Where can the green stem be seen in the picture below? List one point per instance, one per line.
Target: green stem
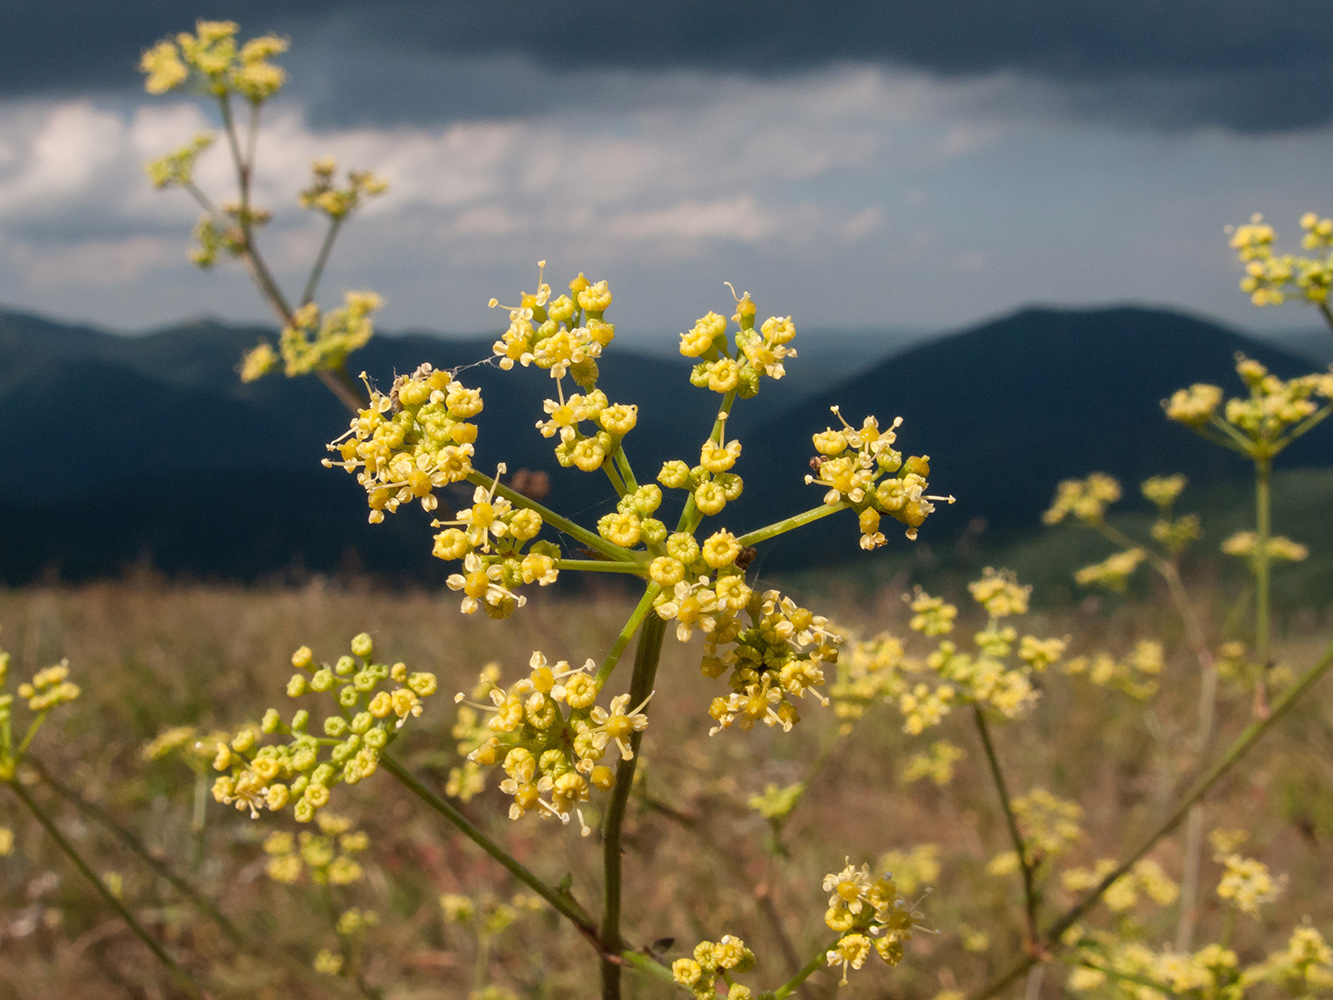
(591, 539)
(626, 471)
(648, 965)
(1263, 528)
(562, 902)
(1011, 823)
(688, 522)
(205, 906)
(601, 566)
(641, 611)
(258, 269)
(810, 968)
(1234, 754)
(1326, 313)
(325, 249)
(181, 978)
(789, 523)
(646, 659)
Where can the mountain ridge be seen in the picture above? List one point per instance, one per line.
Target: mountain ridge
(149, 448)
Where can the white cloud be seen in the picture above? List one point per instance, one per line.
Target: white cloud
(862, 194)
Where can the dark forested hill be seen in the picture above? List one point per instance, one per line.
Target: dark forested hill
(148, 449)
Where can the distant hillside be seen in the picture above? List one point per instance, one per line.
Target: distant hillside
(148, 449)
(1009, 408)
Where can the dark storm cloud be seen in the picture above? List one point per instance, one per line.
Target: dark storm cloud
(1167, 63)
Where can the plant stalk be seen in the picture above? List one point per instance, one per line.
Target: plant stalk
(1011, 823)
(646, 659)
(562, 902)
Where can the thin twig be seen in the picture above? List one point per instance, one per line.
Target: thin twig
(1011, 822)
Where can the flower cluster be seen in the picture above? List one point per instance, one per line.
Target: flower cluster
(211, 55)
(48, 689)
(774, 648)
(869, 914)
(868, 672)
(315, 341)
(550, 737)
(1270, 277)
(323, 195)
(724, 368)
(302, 771)
(1049, 825)
(489, 537)
(1245, 545)
(328, 856)
(564, 336)
(412, 441)
(177, 167)
(860, 467)
(1086, 499)
(711, 484)
(714, 961)
(1135, 675)
(1246, 883)
(1275, 412)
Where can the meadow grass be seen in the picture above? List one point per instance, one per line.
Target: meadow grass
(153, 655)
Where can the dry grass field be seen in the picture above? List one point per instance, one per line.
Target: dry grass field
(150, 656)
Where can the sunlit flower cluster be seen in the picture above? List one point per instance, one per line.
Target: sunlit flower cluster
(1113, 572)
(715, 962)
(936, 764)
(494, 539)
(1121, 965)
(868, 672)
(860, 467)
(329, 857)
(1245, 545)
(177, 167)
(869, 914)
(407, 444)
(723, 367)
(212, 56)
(48, 689)
(374, 701)
(565, 336)
(550, 737)
(773, 649)
(1246, 883)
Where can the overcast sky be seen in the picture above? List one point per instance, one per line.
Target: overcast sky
(919, 165)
